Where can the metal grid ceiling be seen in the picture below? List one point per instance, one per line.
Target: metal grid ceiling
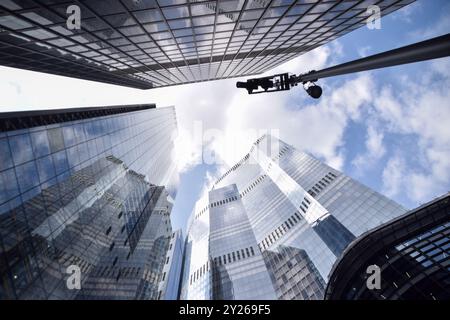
(147, 43)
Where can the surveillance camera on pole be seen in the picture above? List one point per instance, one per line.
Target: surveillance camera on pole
(438, 47)
(279, 82)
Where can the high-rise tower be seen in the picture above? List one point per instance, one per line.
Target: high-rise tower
(273, 225)
(86, 194)
(148, 43)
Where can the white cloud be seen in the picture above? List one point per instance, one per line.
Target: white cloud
(317, 128)
(364, 51)
(375, 150)
(420, 108)
(405, 13)
(394, 176)
(438, 27)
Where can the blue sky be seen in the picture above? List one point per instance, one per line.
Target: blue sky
(386, 128)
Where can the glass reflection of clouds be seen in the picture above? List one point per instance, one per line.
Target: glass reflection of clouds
(63, 184)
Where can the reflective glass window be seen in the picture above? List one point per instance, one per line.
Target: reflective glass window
(27, 176)
(5, 155)
(55, 139)
(21, 148)
(40, 143)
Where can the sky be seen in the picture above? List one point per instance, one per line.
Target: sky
(388, 129)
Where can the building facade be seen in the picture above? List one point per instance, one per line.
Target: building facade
(412, 253)
(86, 196)
(273, 225)
(170, 286)
(147, 43)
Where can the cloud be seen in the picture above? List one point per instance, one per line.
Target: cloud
(440, 25)
(420, 109)
(394, 176)
(405, 13)
(317, 128)
(364, 51)
(375, 150)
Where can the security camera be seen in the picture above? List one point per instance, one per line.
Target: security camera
(314, 91)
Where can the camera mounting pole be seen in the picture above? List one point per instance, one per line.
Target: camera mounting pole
(434, 48)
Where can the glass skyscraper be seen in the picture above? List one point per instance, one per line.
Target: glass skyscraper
(273, 225)
(90, 189)
(169, 289)
(412, 253)
(148, 43)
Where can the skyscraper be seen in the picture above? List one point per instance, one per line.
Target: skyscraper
(148, 43)
(169, 288)
(273, 225)
(412, 253)
(86, 194)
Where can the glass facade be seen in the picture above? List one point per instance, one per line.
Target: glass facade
(90, 188)
(148, 43)
(412, 253)
(273, 225)
(169, 288)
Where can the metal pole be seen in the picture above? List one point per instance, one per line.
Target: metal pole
(429, 49)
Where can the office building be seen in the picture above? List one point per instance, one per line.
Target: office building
(412, 253)
(273, 225)
(147, 43)
(170, 286)
(86, 194)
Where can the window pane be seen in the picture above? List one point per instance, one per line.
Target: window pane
(69, 137)
(5, 155)
(21, 148)
(27, 176)
(40, 143)
(56, 140)
(60, 161)
(8, 185)
(45, 168)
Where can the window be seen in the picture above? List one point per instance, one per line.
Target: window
(56, 140)
(21, 148)
(27, 176)
(40, 143)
